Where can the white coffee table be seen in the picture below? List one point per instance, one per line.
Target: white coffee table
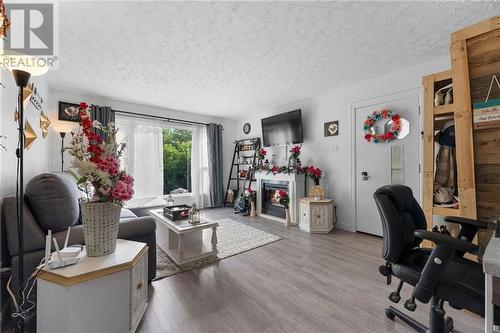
(182, 241)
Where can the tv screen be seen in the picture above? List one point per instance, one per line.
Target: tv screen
(282, 129)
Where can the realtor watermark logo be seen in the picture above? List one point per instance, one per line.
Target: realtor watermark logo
(32, 39)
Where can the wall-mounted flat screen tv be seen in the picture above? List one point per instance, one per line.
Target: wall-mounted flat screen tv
(282, 129)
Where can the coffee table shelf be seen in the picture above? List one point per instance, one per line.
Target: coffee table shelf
(183, 242)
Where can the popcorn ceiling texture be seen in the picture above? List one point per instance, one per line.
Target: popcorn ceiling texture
(230, 59)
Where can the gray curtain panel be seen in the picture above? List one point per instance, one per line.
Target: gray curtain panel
(214, 137)
(103, 114)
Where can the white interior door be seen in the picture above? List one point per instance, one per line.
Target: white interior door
(396, 162)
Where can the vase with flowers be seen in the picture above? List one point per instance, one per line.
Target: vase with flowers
(261, 155)
(284, 201)
(97, 164)
(294, 156)
(314, 173)
(250, 197)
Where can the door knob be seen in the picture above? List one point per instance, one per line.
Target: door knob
(364, 175)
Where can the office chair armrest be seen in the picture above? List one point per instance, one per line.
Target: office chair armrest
(448, 241)
(467, 222)
(435, 267)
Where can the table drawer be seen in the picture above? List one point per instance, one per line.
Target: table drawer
(138, 291)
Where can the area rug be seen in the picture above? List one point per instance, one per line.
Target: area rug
(233, 238)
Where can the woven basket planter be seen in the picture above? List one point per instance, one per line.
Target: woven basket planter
(100, 227)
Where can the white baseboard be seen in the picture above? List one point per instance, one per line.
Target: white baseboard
(345, 225)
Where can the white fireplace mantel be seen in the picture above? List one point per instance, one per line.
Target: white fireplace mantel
(296, 190)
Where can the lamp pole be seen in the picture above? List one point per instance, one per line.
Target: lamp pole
(62, 134)
(21, 78)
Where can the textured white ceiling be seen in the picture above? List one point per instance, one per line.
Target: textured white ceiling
(228, 59)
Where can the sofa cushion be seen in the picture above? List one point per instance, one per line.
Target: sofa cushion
(53, 200)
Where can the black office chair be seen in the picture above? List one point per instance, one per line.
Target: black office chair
(438, 275)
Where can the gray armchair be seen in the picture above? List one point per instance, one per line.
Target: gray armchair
(52, 202)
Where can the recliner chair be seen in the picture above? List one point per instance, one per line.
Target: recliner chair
(439, 274)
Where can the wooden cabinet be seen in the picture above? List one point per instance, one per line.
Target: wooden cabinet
(434, 118)
(475, 55)
(316, 216)
(99, 294)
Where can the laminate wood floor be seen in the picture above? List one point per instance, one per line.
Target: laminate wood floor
(303, 283)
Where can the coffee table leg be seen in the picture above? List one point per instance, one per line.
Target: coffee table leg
(214, 238)
(180, 246)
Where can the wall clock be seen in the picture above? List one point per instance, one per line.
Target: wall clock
(246, 128)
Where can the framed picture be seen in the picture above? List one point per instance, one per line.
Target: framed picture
(332, 128)
(68, 112)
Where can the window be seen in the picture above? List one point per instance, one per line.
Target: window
(177, 143)
(158, 155)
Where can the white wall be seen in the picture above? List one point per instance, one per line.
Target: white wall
(333, 154)
(36, 159)
(59, 95)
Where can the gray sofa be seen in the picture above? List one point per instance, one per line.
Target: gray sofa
(52, 202)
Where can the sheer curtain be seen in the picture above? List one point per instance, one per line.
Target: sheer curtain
(200, 181)
(143, 157)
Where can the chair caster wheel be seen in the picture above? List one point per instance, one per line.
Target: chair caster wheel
(410, 305)
(389, 314)
(394, 297)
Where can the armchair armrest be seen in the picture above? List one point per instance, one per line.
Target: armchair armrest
(467, 222)
(451, 242)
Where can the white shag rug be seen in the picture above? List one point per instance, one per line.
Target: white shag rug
(233, 238)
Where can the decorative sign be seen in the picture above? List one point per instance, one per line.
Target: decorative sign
(69, 112)
(332, 128)
(487, 114)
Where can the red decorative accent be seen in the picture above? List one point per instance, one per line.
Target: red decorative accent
(387, 136)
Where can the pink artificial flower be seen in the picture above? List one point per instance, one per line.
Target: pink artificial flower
(295, 150)
(122, 191)
(126, 178)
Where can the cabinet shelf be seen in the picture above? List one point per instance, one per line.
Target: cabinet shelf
(444, 109)
(445, 211)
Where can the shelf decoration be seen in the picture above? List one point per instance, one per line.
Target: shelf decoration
(370, 135)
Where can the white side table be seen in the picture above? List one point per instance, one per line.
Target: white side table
(316, 216)
(99, 294)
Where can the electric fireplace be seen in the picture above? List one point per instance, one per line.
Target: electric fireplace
(270, 201)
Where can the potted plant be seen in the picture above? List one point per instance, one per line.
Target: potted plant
(250, 196)
(284, 200)
(97, 163)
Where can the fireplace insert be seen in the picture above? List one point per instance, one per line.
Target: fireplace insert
(270, 202)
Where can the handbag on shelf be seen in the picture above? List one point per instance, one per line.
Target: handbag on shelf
(487, 114)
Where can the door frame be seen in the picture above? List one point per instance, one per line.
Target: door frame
(415, 92)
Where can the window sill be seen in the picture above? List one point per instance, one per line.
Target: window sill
(151, 202)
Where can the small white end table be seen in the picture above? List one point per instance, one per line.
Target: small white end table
(99, 294)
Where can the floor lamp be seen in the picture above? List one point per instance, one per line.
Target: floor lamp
(22, 77)
(62, 132)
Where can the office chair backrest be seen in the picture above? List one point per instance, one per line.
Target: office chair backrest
(401, 215)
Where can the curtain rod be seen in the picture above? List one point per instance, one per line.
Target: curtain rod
(172, 120)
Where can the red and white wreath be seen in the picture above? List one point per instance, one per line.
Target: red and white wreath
(392, 134)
